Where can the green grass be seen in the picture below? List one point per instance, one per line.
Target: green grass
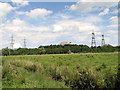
(60, 71)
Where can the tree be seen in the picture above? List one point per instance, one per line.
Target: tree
(5, 51)
(41, 50)
(0, 52)
(69, 52)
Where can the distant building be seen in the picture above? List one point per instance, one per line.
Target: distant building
(66, 43)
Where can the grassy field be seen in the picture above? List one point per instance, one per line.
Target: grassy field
(60, 71)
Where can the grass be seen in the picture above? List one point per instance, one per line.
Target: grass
(97, 70)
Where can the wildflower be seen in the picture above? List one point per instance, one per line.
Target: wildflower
(87, 73)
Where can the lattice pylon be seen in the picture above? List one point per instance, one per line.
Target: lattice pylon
(103, 40)
(93, 42)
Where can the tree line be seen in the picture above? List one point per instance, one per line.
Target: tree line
(60, 49)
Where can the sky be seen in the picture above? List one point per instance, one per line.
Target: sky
(45, 23)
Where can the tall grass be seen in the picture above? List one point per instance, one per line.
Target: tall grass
(60, 71)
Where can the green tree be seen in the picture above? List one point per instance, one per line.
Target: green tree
(5, 51)
(41, 50)
(69, 52)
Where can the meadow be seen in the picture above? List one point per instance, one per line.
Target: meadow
(85, 70)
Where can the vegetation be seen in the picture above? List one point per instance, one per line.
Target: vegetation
(0, 71)
(59, 49)
(95, 70)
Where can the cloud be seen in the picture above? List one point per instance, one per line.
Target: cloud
(81, 38)
(15, 25)
(110, 32)
(75, 31)
(99, 1)
(80, 32)
(63, 26)
(61, 16)
(82, 7)
(91, 6)
(112, 36)
(43, 38)
(114, 20)
(113, 26)
(115, 11)
(5, 8)
(18, 25)
(20, 2)
(90, 19)
(114, 17)
(72, 25)
(35, 35)
(106, 11)
(39, 12)
(20, 12)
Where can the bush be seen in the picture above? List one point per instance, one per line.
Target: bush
(31, 68)
(7, 75)
(55, 72)
(79, 79)
(99, 68)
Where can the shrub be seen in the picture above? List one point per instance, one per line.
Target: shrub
(55, 72)
(31, 68)
(100, 67)
(110, 79)
(7, 75)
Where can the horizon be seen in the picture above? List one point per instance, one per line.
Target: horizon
(57, 44)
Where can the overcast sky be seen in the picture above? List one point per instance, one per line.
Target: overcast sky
(53, 22)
